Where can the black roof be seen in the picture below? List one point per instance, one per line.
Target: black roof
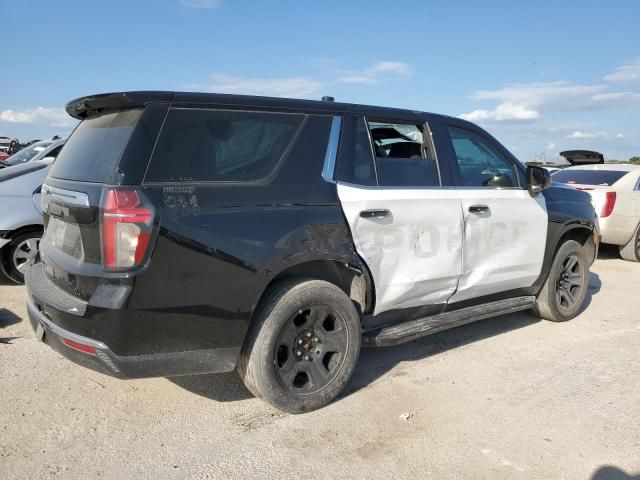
(82, 107)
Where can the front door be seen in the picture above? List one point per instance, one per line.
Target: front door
(505, 227)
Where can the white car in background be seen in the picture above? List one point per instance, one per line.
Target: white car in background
(615, 192)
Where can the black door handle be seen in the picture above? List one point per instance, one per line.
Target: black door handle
(478, 209)
(381, 213)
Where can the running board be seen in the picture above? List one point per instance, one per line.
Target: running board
(405, 332)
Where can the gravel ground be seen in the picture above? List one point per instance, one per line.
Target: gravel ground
(510, 397)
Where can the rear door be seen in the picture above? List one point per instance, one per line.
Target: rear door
(505, 228)
(405, 224)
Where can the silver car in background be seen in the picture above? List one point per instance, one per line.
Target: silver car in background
(36, 151)
(21, 217)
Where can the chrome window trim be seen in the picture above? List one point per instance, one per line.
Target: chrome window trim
(329, 167)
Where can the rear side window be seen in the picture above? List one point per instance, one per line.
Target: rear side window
(218, 145)
(94, 149)
(589, 177)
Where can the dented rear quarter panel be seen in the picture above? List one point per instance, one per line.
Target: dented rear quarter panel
(220, 245)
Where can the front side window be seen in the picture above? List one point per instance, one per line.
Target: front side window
(220, 145)
(404, 155)
(479, 162)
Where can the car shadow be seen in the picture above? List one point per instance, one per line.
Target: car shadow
(221, 387)
(8, 318)
(376, 362)
(608, 252)
(609, 472)
(595, 284)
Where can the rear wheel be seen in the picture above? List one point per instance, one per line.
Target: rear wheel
(566, 287)
(18, 254)
(303, 348)
(631, 251)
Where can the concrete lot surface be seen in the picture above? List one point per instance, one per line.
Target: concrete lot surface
(506, 398)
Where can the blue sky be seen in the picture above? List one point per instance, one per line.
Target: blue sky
(541, 76)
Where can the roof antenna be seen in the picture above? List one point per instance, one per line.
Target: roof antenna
(328, 99)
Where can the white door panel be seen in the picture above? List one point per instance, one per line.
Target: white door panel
(415, 252)
(503, 247)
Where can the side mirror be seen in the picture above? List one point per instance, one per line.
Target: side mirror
(48, 159)
(538, 179)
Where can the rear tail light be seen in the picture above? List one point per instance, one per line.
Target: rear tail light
(609, 203)
(127, 224)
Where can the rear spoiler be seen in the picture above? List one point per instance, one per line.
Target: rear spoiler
(81, 108)
(582, 157)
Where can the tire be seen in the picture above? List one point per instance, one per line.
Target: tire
(631, 251)
(566, 287)
(303, 346)
(18, 253)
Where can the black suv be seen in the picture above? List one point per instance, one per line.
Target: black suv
(192, 233)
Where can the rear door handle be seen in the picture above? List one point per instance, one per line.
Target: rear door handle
(379, 213)
(478, 209)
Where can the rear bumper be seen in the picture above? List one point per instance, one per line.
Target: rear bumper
(140, 366)
(67, 324)
(617, 229)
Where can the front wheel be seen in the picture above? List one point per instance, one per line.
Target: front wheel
(304, 346)
(566, 287)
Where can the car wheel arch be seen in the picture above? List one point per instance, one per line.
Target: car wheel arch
(351, 277)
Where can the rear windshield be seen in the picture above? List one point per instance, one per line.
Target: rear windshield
(605, 178)
(95, 147)
(217, 145)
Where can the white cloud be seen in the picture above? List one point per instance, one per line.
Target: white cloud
(579, 134)
(55, 117)
(375, 73)
(528, 101)
(297, 87)
(619, 135)
(301, 87)
(201, 3)
(504, 111)
(625, 73)
(550, 146)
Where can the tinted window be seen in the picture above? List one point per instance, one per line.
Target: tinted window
(214, 145)
(355, 159)
(479, 163)
(54, 153)
(588, 177)
(403, 158)
(95, 147)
